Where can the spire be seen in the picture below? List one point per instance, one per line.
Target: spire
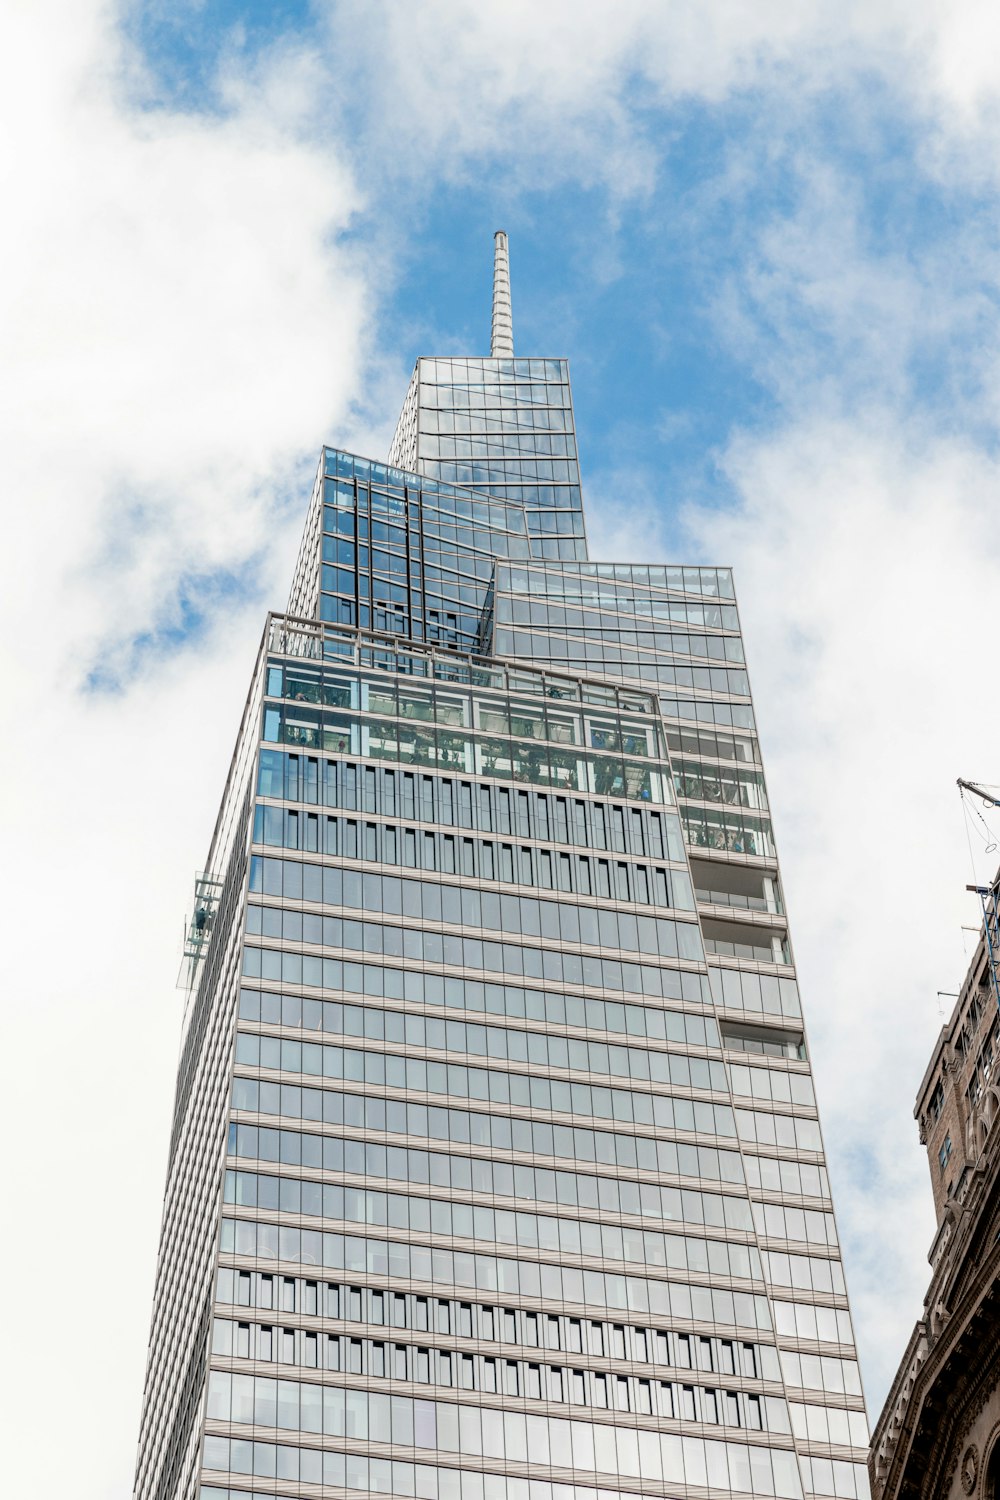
(502, 337)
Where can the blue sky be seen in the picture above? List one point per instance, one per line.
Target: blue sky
(671, 294)
(629, 291)
(765, 237)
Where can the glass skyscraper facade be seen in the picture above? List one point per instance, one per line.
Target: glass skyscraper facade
(496, 1168)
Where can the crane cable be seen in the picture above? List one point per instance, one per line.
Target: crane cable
(987, 836)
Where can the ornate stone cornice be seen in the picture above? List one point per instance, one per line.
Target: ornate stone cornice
(950, 1389)
(952, 1363)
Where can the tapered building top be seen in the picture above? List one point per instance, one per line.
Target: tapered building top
(502, 337)
(501, 427)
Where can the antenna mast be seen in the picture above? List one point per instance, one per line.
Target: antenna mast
(502, 337)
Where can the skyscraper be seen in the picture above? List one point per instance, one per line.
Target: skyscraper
(495, 1167)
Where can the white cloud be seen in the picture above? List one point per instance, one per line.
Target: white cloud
(184, 323)
(182, 328)
(866, 564)
(866, 568)
(545, 90)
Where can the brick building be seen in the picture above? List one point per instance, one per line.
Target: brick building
(938, 1437)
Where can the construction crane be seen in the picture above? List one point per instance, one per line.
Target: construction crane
(978, 791)
(989, 895)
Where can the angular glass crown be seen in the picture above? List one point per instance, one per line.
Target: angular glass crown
(500, 425)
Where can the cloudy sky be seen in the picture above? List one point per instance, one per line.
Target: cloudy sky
(766, 237)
